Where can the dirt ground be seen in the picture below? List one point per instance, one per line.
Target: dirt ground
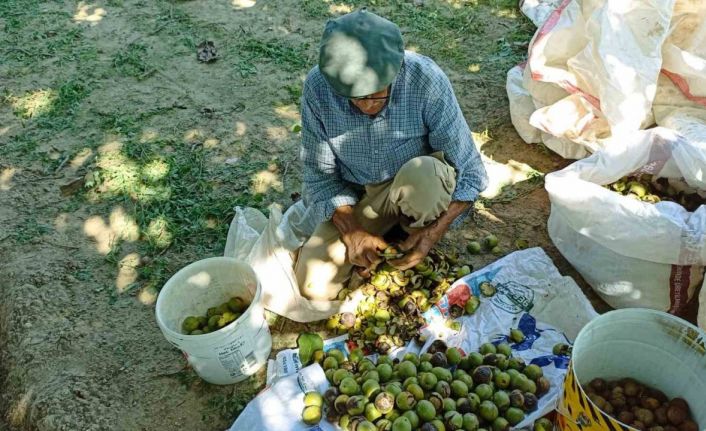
(122, 157)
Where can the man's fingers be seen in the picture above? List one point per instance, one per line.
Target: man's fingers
(373, 259)
(408, 261)
(409, 243)
(380, 243)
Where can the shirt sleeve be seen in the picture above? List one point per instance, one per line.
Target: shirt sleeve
(323, 188)
(449, 132)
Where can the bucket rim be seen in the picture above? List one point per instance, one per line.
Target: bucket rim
(641, 311)
(211, 335)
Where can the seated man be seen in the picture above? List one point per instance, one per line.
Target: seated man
(383, 142)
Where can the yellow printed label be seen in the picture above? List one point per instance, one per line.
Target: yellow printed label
(578, 413)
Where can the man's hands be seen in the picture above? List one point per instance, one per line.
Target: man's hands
(417, 245)
(362, 247)
(421, 241)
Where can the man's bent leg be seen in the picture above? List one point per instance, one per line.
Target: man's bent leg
(422, 189)
(322, 268)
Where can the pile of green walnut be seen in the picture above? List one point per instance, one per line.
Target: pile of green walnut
(640, 406)
(390, 314)
(488, 390)
(646, 188)
(216, 317)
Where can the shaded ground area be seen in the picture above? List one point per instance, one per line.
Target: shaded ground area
(122, 157)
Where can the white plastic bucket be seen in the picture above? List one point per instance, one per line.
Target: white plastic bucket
(232, 353)
(652, 347)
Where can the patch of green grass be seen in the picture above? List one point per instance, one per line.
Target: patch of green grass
(29, 230)
(295, 92)
(132, 61)
(291, 57)
(315, 8)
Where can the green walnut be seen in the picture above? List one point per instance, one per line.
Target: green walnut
(313, 399)
(487, 289)
(533, 371)
(488, 411)
(311, 415)
(237, 304)
(470, 422)
(406, 369)
(453, 356)
(517, 335)
(349, 386)
(405, 401)
(385, 402)
(474, 247)
(190, 324)
(459, 389)
(425, 410)
(514, 415)
(401, 424)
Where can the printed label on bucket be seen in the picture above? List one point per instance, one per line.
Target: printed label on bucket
(237, 357)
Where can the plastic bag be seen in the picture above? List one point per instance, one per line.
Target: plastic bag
(531, 294)
(634, 254)
(521, 106)
(268, 246)
(279, 407)
(597, 68)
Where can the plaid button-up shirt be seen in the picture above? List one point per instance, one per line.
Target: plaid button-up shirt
(343, 149)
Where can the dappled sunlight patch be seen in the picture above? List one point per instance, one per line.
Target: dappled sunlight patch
(149, 135)
(277, 133)
(488, 215)
(474, 68)
(148, 295)
(210, 223)
(127, 271)
(243, 4)
(118, 174)
(61, 222)
(503, 175)
(91, 14)
(4, 130)
(158, 233)
(17, 414)
(120, 226)
(264, 181)
(6, 178)
(194, 136)
(81, 158)
(481, 138)
(113, 144)
(211, 143)
(155, 170)
(145, 193)
(288, 112)
(123, 225)
(339, 8)
(240, 128)
(506, 13)
(413, 48)
(33, 103)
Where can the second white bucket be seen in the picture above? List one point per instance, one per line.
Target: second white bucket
(232, 353)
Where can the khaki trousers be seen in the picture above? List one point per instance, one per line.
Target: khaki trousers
(421, 191)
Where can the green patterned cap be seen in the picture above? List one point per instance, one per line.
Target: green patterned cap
(361, 53)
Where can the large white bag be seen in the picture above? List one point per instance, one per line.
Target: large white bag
(599, 68)
(268, 246)
(634, 254)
